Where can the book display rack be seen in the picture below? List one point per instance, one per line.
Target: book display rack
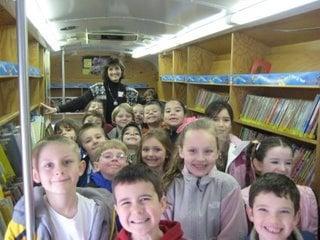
(284, 102)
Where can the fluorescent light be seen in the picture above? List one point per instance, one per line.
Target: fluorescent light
(265, 9)
(202, 28)
(206, 30)
(242, 4)
(155, 47)
(41, 23)
(162, 45)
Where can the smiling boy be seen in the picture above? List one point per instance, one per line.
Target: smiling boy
(140, 204)
(110, 158)
(274, 209)
(61, 210)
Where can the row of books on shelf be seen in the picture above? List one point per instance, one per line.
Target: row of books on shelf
(277, 79)
(294, 116)
(11, 184)
(10, 147)
(304, 158)
(205, 97)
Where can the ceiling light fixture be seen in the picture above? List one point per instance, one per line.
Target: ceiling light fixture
(246, 12)
(265, 9)
(200, 29)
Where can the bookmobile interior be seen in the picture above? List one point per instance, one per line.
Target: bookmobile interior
(190, 50)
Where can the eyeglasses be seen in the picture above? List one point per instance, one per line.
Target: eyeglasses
(110, 156)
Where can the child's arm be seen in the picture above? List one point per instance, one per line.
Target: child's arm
(233, 217)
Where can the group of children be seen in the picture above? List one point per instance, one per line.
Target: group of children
(171, 177)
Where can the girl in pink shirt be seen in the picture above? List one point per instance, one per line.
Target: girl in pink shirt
(205, 201)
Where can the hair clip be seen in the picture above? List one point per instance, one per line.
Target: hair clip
(258, 145)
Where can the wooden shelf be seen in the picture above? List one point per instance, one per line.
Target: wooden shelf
(277, 86)
(5, 17)
(8, 77)
(291, 46)
(277, 132)
(9, 117)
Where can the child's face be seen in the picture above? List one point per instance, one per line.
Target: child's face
(131, 137)
(173, 114)
(96, 106)
(114, 73)
(153, 153)
(93, 119)
(67, 132)
(139, 209)
(138, 114)
(277, 159)
(58, 168)
(148, 98)
(90, 140)
(273, 217)
(123, 118)
(199, 152)
(111, 162)
(152, 114)
(222, 122)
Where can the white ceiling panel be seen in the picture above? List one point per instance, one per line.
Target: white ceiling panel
(148, 20)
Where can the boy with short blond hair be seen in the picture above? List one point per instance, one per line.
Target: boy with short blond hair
(61, 210)
(121, 116)
(140, 203)
(110, 158)
(274, 209)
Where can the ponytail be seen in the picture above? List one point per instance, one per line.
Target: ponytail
(250, 155)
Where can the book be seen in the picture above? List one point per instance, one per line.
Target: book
(313, 118)
(309, 114)
(6, 209)
(6, 170)
(11, 143)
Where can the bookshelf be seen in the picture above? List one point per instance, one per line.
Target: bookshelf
(9, 86)
(11, 187)
(289, 50)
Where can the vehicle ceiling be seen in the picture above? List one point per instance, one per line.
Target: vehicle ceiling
(126, 24)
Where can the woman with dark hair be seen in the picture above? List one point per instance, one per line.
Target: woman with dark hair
(111, 92)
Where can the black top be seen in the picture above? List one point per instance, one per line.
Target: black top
(108, 92)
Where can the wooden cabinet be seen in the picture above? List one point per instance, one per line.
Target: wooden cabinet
(9, 85)
(286, 44)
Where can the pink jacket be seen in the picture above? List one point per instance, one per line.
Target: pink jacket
(208, 207)
(308, 208)
(236, 165)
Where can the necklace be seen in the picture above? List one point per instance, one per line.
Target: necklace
(115, 102)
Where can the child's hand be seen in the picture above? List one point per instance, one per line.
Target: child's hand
(48, 109)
